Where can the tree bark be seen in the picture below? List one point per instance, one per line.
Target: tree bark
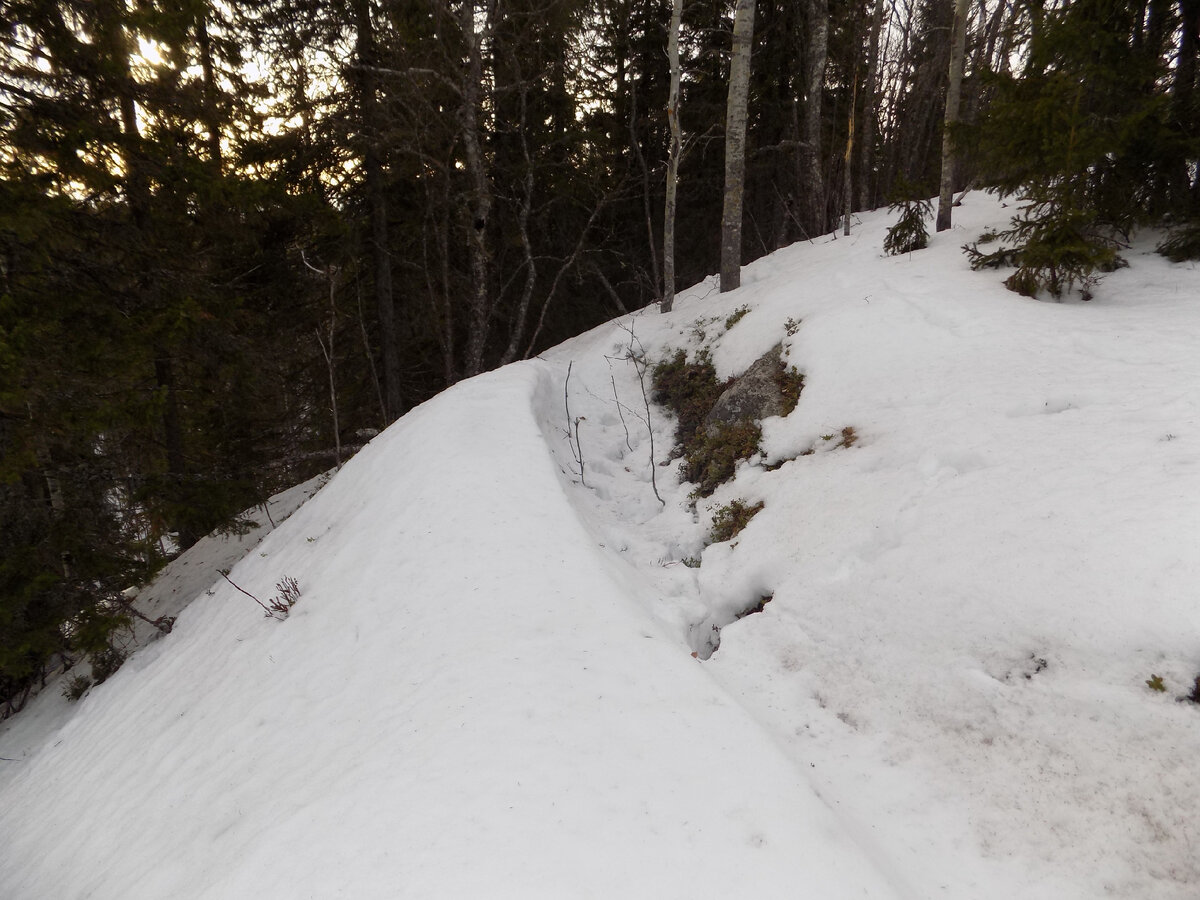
(866, 151)
(479, 207)
(385, 306)
(676, 150)
(735, 146)
(953, 95)
(818, 54)
(848, 162)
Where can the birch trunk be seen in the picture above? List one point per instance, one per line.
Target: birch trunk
(953, 96)
(735, 146)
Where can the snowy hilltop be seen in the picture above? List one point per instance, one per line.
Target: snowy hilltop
(526, 661)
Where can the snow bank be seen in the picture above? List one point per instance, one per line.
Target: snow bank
(466, 702)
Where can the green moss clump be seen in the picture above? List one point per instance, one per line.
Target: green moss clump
(729, 520)
(791, 383)
(736, 316)
(711, 461)
(688, 389)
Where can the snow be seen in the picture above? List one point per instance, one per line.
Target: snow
(494, 683)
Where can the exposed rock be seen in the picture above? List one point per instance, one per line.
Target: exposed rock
(753, 396)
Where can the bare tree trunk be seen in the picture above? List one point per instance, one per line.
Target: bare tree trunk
(953, 96)
(866, 152)
(373, 171)
(668, 292)
(636, 146)
(526, 206)
(818, 54)
(735, 146)
(480, 206)
(848, 161)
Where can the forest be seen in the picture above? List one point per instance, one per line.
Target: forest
(239, 238)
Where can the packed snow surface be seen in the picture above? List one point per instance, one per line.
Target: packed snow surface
(500, 678)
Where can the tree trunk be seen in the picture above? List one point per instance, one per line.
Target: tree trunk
(848, 162)
(385, 306)
(479, 207)
(953, 95)
(866, 152)
(676, 149)
(818, 54)
(735, 146)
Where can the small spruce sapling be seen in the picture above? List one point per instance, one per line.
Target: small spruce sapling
(910, 231)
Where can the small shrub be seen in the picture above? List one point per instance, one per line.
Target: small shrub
(692, 562)
(278, 606)
(849, 437)
(910, 232)
(736, 316)
(711, 461)
(105, 663)
(1055, 248)
(76, 687)
(1183, 244)
(281, 604)
(791, 383)
(729, 520)
(689, 390)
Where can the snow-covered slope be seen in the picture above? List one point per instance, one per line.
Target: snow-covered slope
(488, 688)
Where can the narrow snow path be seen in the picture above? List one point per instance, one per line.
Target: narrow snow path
(469, 700)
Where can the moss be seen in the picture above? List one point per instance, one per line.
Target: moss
(711, 461)
(690, 390)
(729, 520)
(791, 383)
(736, 316)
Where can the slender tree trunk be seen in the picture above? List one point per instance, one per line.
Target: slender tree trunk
(676, 150)
(389, 350)
(636, 145)
(962, 10)
(523, 211)
(866, 151)
(735, 146)
(848, 162)
(479, 207)
(818, 54)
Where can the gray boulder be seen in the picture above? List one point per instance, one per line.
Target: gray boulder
(753, 396)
